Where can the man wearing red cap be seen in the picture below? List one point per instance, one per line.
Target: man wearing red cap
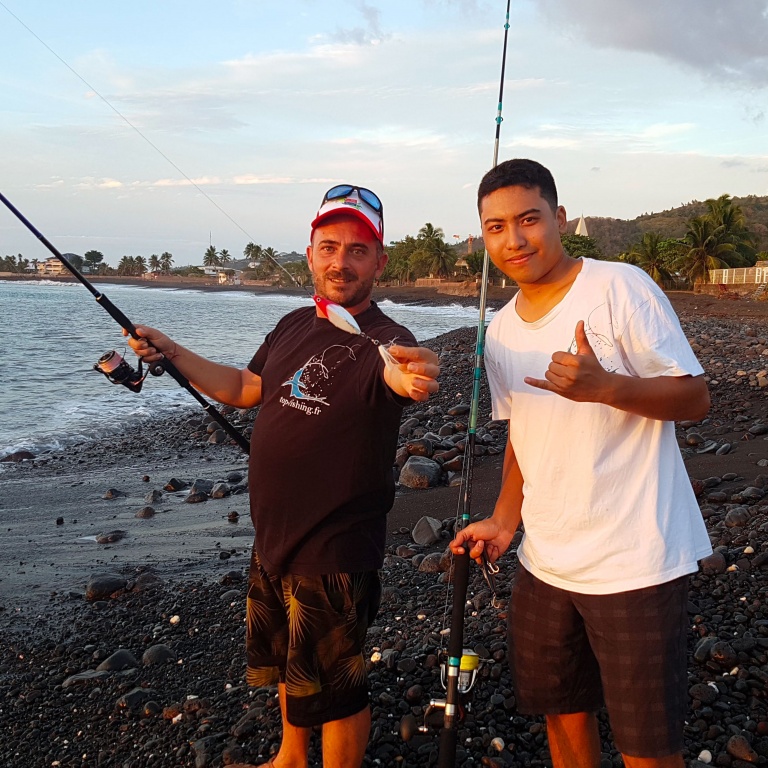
(320, 478)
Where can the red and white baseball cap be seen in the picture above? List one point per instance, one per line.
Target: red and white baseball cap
(353, 201)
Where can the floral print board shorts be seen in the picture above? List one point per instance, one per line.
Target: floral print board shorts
(309, 633)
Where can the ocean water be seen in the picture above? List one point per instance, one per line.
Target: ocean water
(51, 334)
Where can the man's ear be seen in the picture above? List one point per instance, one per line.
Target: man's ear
(309, 258)
(561, 218)
(382, 263)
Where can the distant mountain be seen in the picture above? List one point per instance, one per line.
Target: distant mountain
(617, 235)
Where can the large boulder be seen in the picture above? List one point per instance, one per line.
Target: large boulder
(420, 472)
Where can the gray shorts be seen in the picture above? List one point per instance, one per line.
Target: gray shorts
(571, 652)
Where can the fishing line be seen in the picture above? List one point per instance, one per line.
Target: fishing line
(341, 320)
(157, 149)
(345, 323)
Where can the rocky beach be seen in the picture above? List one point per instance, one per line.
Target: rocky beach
(124, 568)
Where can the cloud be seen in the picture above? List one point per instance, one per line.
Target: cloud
(466, 6)
(370, 33)
(724, 40)
(733, 163)
(656, 137)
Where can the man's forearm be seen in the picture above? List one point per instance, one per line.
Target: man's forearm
(222, 383)
(666, 398)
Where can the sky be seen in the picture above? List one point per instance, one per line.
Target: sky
(635, 105)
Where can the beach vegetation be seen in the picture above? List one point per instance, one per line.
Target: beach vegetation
(579, 246)
(299, 272)
(211, 257)
(14, 264)
(188, 271)
(730, 225)
(654, 258)
(398, 269)
(252, 251)
(92, 259)
(166, 261)
(706, 250)
(475, 266)
(132, 266)
(434, 257)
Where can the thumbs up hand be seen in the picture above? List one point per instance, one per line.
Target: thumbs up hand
(578, 376)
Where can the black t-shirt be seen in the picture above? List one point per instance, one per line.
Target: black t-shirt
(323, 444)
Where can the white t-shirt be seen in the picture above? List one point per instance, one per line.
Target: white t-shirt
(607, 506)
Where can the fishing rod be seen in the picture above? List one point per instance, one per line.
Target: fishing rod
(331, 311)
(112, 365)
(460, 671)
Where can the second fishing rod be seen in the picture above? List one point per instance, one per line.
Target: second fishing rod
(461, 667)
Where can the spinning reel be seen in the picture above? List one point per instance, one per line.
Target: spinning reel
(433, 714)
(119, 371)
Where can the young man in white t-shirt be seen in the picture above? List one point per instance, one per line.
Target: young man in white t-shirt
(590, 366)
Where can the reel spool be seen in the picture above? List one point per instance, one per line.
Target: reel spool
(119, 371)
(468, 668)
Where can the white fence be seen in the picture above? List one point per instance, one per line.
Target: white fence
(739, 276)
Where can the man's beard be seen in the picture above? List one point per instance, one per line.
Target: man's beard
(333, 292)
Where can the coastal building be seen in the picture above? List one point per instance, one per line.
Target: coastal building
(224, 275)
(51, 267)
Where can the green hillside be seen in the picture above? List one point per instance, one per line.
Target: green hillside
(615, 236)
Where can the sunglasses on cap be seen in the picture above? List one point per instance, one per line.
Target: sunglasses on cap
(368, 197)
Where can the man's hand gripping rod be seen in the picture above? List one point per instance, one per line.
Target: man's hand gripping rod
(156, 368)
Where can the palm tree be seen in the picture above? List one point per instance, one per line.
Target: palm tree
(125, 267)
(649, 257)
(139, 265)
(299, 270)
(252, 251)
(270, 253)
(731, 227)
(166, 259)
(154, 263)
(432, 242)
(211, 257)
(403, 271)
(431, 233)
(704, 252)
(224, 258)
(269, 261)
(442, 259)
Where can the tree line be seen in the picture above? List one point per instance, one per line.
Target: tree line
(93, 262)
(719, 238)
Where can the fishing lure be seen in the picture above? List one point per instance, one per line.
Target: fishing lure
(345, 321)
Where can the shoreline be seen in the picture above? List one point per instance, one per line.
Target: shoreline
(180, 582)
(421, 295)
